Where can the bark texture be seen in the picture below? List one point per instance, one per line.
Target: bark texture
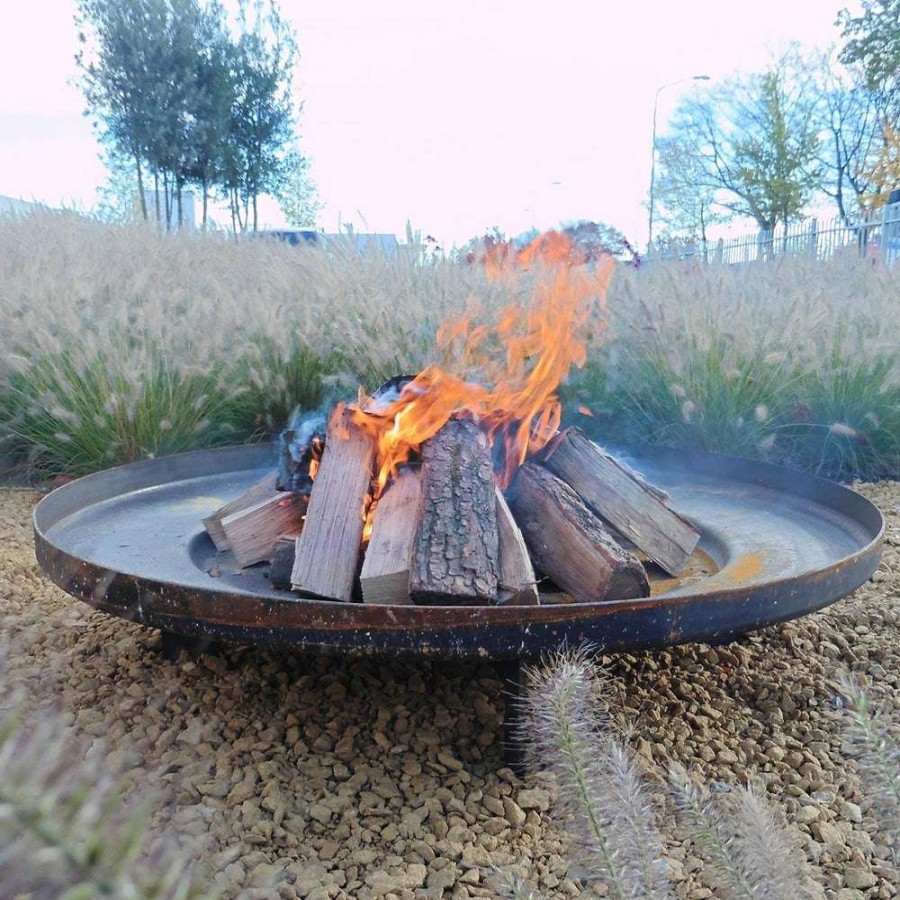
(455, 553)
(621, 497)
(569, 543)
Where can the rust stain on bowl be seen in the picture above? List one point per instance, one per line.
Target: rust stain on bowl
(744, 569)
(699, 567)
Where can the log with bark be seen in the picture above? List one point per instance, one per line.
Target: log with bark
(569, 543)
(623, 498)
(455, 557)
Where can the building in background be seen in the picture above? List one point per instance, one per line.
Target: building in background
(188, 221)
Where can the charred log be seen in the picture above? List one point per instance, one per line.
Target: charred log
(283, 561)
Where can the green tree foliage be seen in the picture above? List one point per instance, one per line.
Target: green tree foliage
(873, 43)
(205, 129)
(262, 120)
(191, 99)
(115, 59)
(118, 196)
(142, 67)
(596, 239)
(297, 193)
(753, 142)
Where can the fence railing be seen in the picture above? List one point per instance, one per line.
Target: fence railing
(877, 236)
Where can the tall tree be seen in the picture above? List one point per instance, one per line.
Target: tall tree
(686, 195)
(297, 192)
(208, 120)
(263, 113)
(754, 143)
(189, 100)
(145, 74)
(114, 56)
(853, 137)
(873, 42)
(180, 99)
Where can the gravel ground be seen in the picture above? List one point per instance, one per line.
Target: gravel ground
(331, 778)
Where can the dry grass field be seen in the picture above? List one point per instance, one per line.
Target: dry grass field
(121, 343)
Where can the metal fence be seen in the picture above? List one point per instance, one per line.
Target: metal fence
(876, 236)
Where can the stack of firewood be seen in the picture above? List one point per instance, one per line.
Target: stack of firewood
(442, 532)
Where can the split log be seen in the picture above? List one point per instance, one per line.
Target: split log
(569, 543)
(621, 497)
(325, 563)
(213, 522)
(518, 584)
(252, 532)
(455, 550)
(385, 571)
(283, 562)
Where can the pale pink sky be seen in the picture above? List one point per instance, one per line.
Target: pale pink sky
(455, 116)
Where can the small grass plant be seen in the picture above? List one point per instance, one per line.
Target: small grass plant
(716, 401)
(610, 810)
(876, 750)
(277, 379)
(79, 415)
(65, 832)
(845, 420)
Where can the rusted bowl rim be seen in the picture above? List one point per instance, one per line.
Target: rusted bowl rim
(215, 610)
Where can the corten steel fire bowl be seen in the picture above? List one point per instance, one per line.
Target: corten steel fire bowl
(776, 543)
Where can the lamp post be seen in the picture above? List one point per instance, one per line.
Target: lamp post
(659, 90)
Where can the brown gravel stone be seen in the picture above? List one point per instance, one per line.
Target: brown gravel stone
(328, 778)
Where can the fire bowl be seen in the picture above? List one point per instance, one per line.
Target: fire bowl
(777, 544)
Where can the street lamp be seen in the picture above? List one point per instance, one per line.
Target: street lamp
(659, 90)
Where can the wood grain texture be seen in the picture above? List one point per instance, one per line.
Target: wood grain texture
(252, 532)
(620, 496)
(213, 522)
(455, 553)
(518, 583)
(569, 543)
(328, 548)
(385, 571)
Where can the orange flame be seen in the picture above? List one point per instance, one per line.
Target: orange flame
(520, 361)
(316, 448)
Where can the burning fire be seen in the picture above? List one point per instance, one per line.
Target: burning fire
(520, 360)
